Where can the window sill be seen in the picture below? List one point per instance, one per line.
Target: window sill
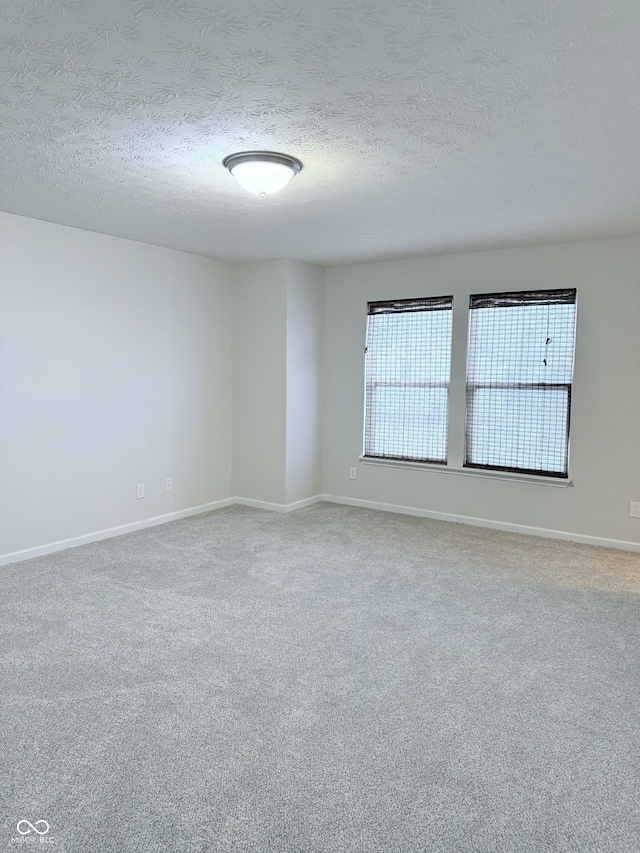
(469, 472)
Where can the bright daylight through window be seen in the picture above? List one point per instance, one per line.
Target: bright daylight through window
(518, 388)
(519, 375)
(408, 367)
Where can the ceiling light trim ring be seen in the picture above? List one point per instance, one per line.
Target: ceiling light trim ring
(262, 157)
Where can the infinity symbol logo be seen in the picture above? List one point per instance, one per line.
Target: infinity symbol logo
(33, 827)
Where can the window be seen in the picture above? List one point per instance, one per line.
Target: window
(519, 374)
(407, 371)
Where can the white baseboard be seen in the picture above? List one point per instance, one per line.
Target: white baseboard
(487, 522)
(292, 507)
(62, 544)
(73, 542)
(107, 533)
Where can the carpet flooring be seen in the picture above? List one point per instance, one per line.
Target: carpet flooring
(328, 681)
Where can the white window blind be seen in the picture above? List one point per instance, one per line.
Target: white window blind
(407, 373)
(519, 375)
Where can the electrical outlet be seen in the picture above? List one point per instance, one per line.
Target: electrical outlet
(352, 473)
(634, 509)
(168, 484)
(139, 491)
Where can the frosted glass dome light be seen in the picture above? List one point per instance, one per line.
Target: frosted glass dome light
(262, 172)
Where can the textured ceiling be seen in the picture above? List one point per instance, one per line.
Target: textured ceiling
(424, 126)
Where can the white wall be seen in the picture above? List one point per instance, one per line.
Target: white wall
(123, 363)
(305, 318)
(115, 369)
(605, 450)
(276, 382)
(259, 381)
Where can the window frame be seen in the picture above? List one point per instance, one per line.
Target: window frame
(557, 296)
(457, 408)
(404, 306)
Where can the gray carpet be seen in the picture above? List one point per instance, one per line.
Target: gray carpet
(335, 679)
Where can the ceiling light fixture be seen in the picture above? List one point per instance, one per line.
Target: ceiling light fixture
(262, 172)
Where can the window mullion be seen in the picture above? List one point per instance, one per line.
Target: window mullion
(457, 388)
